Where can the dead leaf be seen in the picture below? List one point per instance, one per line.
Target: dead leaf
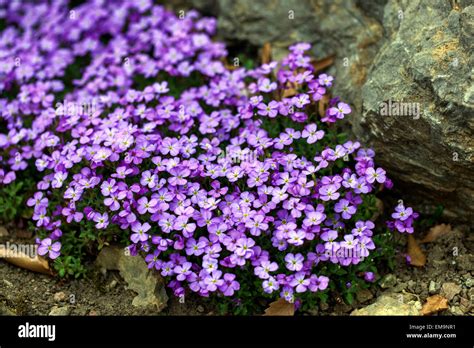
(35, 264)
(266, 54)
(3, 231)
(280, 308)
(434, 304)
(379, 209)
(227, 65)
(24, 234)
(323, 105)
(289, 92)
(323, 63)
(417, 257)
(435, 232)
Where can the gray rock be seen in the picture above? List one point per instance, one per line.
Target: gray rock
(148, 285)
(364, 295)
(400, 287)
(465, 262)
(466, 304)
(391, 304)
(449, 290)
(342, 308)
(58, 311)
(8, 283)
(3, 231)
(423, 64)
(418, 52)
(59, 296)
(5, 310)
(411, 285)
(469, 281)
(324, 306)
(112, 284)
(456, 310)
(433, 287)
(349, 29)
(388, 281)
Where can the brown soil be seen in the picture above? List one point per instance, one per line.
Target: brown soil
(449, 259)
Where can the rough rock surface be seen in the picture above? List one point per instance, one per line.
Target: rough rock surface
(426, 61)
(391, 304)
(148, 285)
(418, 52)
(449, 290)
(59, 311)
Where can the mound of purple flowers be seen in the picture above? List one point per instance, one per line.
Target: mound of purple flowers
(191, 176)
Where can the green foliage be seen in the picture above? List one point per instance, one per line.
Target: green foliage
(13, 200)
(69, 266)
(426, 221)
(81, 241)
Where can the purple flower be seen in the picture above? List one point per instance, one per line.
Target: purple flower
(230, 285)
(329, 192)
(194, 247)
(349, 242)
(148, 179)
(270, 285)
(345, 207)
(318, 283)
(296, 237)
(325, 80)
(364, 245)
(402, 213)
(37, 200)
(39, 215)
(372, 175)
(203, 166)
(314, 218)
(256, 225)
(243, 247)
(140, 230)
(294, 262)
(153, 260)
(340, 111)
(300, 282)
(147, 206)
(312, 133)
(288, 294)
(48, 247)
(58, 179)
(213, 280)
(182, 224)
(263, 271)
(329, 237)
(270, 109)
(183, 271)
(102, 220)
(369, 276)
(178, 176)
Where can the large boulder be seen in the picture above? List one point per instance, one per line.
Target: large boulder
(414, 55)
(350, 30)
(425, 63)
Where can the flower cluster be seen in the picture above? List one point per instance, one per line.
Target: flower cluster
(403, 219)
(203, 175)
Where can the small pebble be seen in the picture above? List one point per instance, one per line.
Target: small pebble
(433, 288)
(59, 296)
(57, 311)
(8, 283)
